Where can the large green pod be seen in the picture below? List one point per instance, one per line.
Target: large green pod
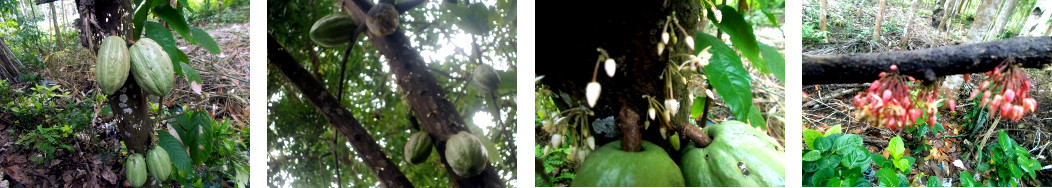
(135, 169)
(332, 30)
(739, 156)
(465, 154)
(112, 65)
(151, 67)
(159, 165)
(418, 148)
(609, 166)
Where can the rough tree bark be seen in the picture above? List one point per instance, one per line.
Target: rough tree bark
(364, 144)
(822, 17)
(928, 64)
(903, 41)
(1038, 19)
(629, 32)
(1002, 19)
(880, 20)
(129, 102)
(54, 24)
(984, 18)
(8, 63)
(437, 115)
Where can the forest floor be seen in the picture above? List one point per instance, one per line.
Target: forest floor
(850, 31)
(90, 156)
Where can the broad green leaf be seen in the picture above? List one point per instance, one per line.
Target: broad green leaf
(755, 118)
(831, 161)
(185, 5)
(1003, 140)
(158, 33)
(809, 137)
(934, 181)
(895, 148)
(473, 18)
(812, 155)
(175, 19)
(726, 74)
(848, 141)
(966, 179)
(903, 165)
(203, 148)
(141, 13)
(175, 150)
(190, 73)
(204, 40)
(741, 36)
(854, 157)
(824, 144)
(834, 130)
(887, 177)
(878, 159)
(697, 108)
(774, 60)
(507, 81)
(903, 181)
(822, 176)
(1016, 171)
(833, 182)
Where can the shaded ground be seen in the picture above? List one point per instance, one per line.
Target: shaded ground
(829, 105)
(95, 158)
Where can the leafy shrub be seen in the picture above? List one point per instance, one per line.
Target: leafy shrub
(1006, 163)
(835, 160)
(895, 167)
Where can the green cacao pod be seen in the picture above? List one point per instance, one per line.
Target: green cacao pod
(159, 165)
(383, 19)
(135, 169)
(609, 166)
(112, 64)
(739, 156)
(418, 148)
(151, 67)
(464, 152)
(332, 30)
(485, 78)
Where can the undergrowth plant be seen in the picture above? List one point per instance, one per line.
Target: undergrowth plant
(1006, 163)
(895, 167)
(834, 159)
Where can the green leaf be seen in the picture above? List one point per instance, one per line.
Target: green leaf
(848, 141)
(834, 130)
(903, 165)
(854, 157)
(887, 177)
(966, 179)
(156, 32)
(895, 147)
(726, 74)
(810, 136)
(1003, 140)
(774, 60)
(473, 18)
(742, 36)
(698, 107)
(755, 118)
(822, 176)
(878, 159)
(190, 73)
(933, 181)
(833, 182)
(175, 151)
(1016, 171)
(204, 40)
(186, 5)
(824, 144)
(812, 155)
(830, 161)
(175, 19)
(204, 146)
(141, 13)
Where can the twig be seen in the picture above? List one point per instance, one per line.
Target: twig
(987, 136)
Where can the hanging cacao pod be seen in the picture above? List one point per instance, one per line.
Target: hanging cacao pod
(159, 165)
(151, 67)
(383, 19)
(332, 30)
(135, 169)
(112, 64)
(485, 78)
(418, 148)
(465, 154)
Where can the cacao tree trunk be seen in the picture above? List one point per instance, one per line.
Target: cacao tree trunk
(1038, 19)
(903, 41)
(1002, 19)
(54, 25)
(984, 18)
(129, 102)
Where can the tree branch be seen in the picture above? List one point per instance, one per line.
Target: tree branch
(928, 64)
(371, 153)
(427, 99)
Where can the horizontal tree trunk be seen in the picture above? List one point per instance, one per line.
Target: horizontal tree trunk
(927, 64)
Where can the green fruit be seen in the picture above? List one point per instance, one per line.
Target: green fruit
(135, 169)
(332, 30)
(464, 152)
(485, 78)
(418, 148)
(383, 19)
(609, 166)
(739, 156)
(112, 64)
(151, 67)
(158, 163)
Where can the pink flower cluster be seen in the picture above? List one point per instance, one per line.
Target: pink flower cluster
(1006, 92)
(887, 102)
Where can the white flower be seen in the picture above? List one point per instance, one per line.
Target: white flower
(672, 105)
(611, 67)
(661, 48)
(664, 37)
(652, 112)
(592, 93)
(690, 42)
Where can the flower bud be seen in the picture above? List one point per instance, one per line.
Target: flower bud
(592, 93)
